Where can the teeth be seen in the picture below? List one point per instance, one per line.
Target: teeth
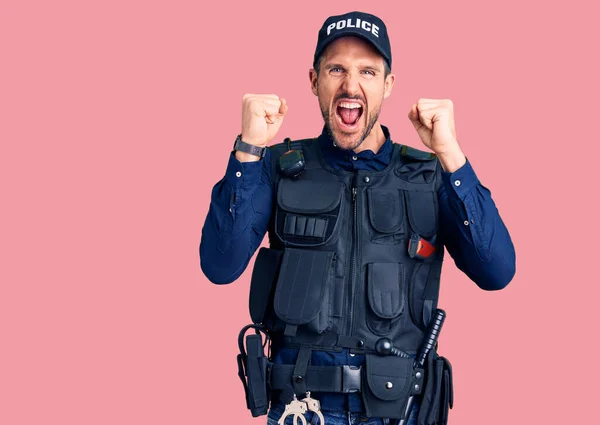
(350, 105)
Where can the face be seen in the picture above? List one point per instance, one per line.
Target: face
(351, 87)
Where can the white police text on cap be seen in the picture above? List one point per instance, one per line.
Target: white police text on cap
(347, 23)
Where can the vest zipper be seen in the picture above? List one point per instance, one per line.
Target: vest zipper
(353, 257)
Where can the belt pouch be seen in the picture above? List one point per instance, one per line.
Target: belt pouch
(438, 393)
(255, 365)
(387, 385)
(447, 391)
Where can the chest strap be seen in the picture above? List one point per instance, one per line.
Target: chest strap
(330, 341)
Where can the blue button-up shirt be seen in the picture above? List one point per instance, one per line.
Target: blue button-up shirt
(470, 228)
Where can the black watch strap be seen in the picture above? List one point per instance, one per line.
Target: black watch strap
(242, 146)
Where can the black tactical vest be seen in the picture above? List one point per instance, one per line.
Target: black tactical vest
(338, 273)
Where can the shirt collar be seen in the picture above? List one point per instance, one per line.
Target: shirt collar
(349, 160)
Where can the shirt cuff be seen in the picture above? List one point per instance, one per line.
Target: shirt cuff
(461, 181)
(243, 174)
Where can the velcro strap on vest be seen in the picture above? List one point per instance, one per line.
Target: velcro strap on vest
(335, 379)
(295, 145)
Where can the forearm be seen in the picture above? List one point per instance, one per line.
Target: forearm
(473, 231)
(452, 160)
(237, 220)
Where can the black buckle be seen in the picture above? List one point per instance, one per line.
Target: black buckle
(351, 379)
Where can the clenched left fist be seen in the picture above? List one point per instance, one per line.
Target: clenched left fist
(434, 121)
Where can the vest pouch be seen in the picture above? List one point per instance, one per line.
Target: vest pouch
(264, 274)
(423, 291)
(386, 215)
(307, 211)
(385, 293)
(302, 296)
(387, 385)
(422, 207)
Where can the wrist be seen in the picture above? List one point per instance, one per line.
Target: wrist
(452, 160)
(246, 157)
(246, 152)
(253, 141)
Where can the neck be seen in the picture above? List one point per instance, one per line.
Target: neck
(374, 140)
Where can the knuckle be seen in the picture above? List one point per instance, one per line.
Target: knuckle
(255, 106)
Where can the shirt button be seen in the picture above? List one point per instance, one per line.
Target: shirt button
(238, 174)
(367, 179)
(352, 354)
(456, 182)
(466, 222)
(354, 158)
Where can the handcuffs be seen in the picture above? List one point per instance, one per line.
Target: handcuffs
(299, 407)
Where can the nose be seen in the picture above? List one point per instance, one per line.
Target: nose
(351, 83)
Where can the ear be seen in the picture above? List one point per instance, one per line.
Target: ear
(312, 75)
(388, 85)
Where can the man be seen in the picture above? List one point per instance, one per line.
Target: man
(357, 228)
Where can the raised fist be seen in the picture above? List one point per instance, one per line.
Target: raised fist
(262, 115)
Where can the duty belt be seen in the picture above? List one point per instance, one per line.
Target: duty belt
(338, 379)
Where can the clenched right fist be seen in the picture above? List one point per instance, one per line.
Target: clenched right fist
(262, 115)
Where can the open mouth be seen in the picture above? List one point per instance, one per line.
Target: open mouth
(349, 113)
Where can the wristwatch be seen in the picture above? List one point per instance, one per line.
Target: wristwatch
(242, 146)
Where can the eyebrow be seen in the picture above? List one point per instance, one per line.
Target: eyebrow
(371, 68)
(334, 65)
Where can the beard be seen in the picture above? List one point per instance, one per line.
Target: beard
(327, 118)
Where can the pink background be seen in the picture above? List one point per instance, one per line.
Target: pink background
(116, 119)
